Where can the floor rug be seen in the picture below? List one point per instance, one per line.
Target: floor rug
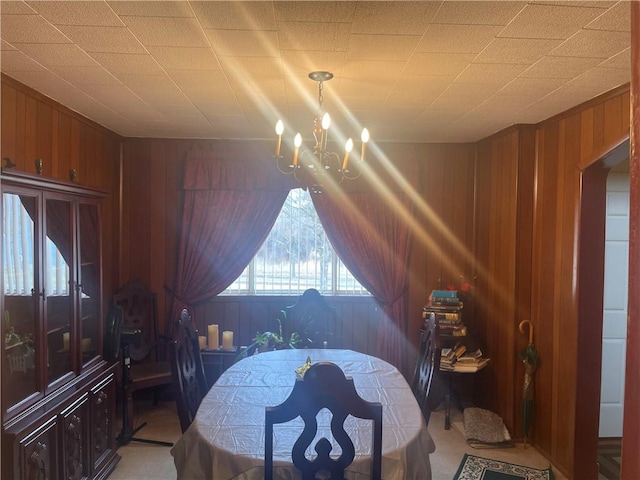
(477, 468)
(485, 429)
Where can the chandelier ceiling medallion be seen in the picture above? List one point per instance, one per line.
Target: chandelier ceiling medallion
(312, 166)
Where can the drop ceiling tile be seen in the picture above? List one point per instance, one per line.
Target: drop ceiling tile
(363, 87)
(103, 39)
(381, 47)
(257, 67)
(29, 29)
(461, 95)
(58, 54)
(531, 89)
(203, 86)
(93, 75)
(560, 67)
(46, 82)
(602, 78)
(416, 91)
(128, 63)
(6, 46)
(235, 15)
(90, 13)
(478, 13)
(185, 58)
(549, 22)
(155, 89)
(401, 18)
(593, 43)
(446, 64)
(168, 110)
(152, 8)
(16, 8)
(167, 31)
(244, 43)
(315, 11)
(219, 108)
(490, 73)
(621, 60)
(443, 38)
(617, 18)
(15, 61)
(516, 50)
(371, 70)
(305, 36)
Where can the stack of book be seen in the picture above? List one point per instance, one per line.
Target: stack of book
(458, 359)
(447, 308)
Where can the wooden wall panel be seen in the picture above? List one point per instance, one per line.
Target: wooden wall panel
(34, 126)
(542, 180)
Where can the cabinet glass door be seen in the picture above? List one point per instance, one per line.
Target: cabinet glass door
(58, 287)
(21, 299)
(89, 279)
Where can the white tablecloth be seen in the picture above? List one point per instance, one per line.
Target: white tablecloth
(226, 439)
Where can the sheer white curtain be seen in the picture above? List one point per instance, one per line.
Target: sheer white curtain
(18, 253)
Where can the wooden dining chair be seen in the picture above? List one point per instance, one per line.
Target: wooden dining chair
(313, 319)
(143, 361)
(427, 362)
(324, 385)
(189, 384)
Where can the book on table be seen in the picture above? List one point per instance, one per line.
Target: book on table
(458, 359)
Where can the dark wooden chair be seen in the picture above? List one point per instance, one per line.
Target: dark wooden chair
(313, 319)
(189, 382)
(324, 385)
(427, 362)
(143, 365)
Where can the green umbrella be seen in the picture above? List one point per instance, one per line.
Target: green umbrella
(529, 357)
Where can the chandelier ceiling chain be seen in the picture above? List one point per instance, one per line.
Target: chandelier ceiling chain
(311, 167)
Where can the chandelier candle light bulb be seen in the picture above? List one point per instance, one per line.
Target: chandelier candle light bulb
(296, 144)
(347, 149)
(365, 138)
(326, 123)
(279, 131)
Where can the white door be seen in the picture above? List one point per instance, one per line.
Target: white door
(614, 335)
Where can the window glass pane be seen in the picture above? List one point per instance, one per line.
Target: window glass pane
(296, 256)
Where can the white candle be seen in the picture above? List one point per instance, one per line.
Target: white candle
(213, 337)
(227, 340)
(202, 342)
(65, 341)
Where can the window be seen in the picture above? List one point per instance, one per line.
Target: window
(296, 256)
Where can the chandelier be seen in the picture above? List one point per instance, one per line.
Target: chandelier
(311, 167)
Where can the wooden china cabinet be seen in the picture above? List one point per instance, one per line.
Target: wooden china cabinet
(58, 393)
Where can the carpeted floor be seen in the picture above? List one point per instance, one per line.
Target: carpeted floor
(151, 462)
(609, 452)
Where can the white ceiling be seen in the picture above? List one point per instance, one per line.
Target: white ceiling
(441, 71)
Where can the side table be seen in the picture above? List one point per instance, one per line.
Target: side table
(217, 361)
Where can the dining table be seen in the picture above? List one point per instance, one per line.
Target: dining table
(227, 436)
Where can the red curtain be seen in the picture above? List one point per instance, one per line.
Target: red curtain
(368, 222)
(232, 197)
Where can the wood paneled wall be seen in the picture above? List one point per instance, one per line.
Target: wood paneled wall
(530, 195)
(34, 126)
